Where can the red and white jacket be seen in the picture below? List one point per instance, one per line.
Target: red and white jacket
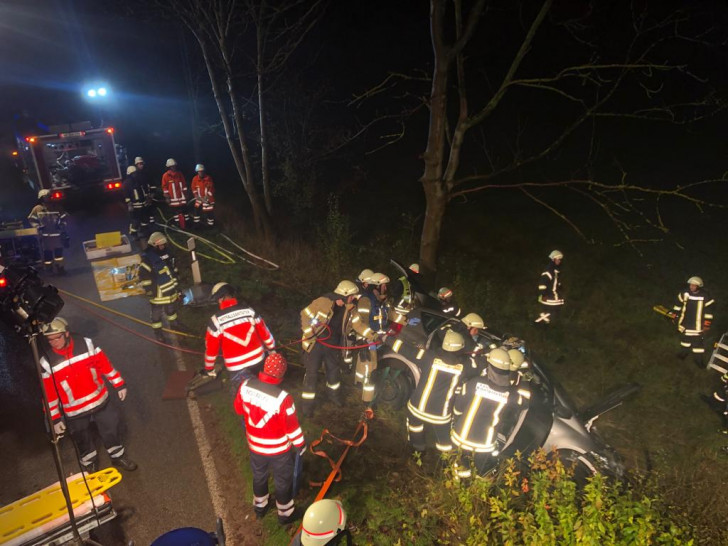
(72, 378)
(174, 186)
(240, 333)
(271, 424)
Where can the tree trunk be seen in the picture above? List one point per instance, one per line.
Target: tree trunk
(431, 229)
(264, 172)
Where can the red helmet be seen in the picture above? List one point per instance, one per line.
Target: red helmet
(275, 365)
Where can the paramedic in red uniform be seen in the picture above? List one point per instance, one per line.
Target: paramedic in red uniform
(274, 437)
(73, 380)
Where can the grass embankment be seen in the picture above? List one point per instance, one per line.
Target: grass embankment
(608, 335)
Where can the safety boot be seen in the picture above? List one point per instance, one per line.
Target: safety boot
(124, 463)
(295, 515)
(91, 467)
(159, 335)
(261, 512)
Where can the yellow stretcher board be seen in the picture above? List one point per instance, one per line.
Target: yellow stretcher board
(118, 277)
(41, 512)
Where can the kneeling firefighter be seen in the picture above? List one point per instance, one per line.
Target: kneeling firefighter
(372, 310)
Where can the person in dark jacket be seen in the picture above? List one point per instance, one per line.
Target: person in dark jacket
(159, 277)
(550, 297)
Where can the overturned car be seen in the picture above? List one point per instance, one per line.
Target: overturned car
(550, 421)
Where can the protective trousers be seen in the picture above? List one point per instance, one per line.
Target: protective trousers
(469, 461)
(416, 434)
(202, 215)
(312, 361)
(107, 423)
(159, 311)
(281, 466)
(694, 344)
(366, 363)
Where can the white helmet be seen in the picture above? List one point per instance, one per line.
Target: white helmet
(322, 521)
(473, 320)
(453, 342)
(138, 159)
(222, 290)
(378, 279)
(517, 358)
(696, 280)
(43, 193)
(499, 358)
(365, 275)
(346, 288)
(556, 255)
(414, 268)
(199, 167)
(157, 238)
(444, 293)
(57, 326)
(171, 163)
(131, 169)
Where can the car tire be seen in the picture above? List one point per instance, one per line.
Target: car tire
(394, 385)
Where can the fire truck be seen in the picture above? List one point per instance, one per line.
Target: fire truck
(72, 160)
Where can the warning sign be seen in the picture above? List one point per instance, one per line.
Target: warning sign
(118, 277)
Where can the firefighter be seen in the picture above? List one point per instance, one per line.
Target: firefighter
(362, 281)
(373, 312)
(240, 333)
(50, 221)
(203, 196)
(694, 315)
(274, 436)
(138, 200)
(549, 289)
(469, 327)
(447, 302)
(324, 523)
(159, 277)
(73, 369)
(174, 187)
(483, 412)
(327, 318)
(431, 401)
(403, 295)
(143, 180)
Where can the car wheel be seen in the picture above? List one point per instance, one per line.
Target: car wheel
(394, 385)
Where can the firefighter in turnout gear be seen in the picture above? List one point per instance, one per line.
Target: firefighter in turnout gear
(447, 302)
(159, 277)
(73, 371)
(240, 333)
(50, 221)
(403, 296)
(693, 313)
(431, 401)
(138, 197)
(549, 289)
(372, 311)
(174, 187)
(484, 408)
(274, 436)
(327, 318)
(203, 196)
(324, 523)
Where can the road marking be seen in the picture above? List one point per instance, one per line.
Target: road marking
(203, 446)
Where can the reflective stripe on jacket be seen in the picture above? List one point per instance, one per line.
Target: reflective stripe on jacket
(158, 274)
(693, 308)
(174, 186)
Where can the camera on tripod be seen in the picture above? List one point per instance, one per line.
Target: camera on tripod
(26, 302)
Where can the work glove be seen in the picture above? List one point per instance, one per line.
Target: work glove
(59, 428)
(122, 394)
(672, 315)
(706, 324)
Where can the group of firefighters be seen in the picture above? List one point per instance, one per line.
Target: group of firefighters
(196, 203)
(469, 392)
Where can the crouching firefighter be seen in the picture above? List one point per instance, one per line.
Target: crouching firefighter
(483, 413)
(240, 333)
(159, 277)
(274, 437)
(325, 318)
(372, 312)
(431, 401)
(73, 371)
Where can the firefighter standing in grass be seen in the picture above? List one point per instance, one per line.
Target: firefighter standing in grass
(372, 311)
(50, 221)
(174, 187)
(73, 371)
(158, 276)
(431, 401)
(203, 196)
(240, 333)
(693, 313)
(483, 412)
(327, 318)
(273, 433)
(549, 289)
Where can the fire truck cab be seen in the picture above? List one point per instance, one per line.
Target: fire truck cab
(73, 159)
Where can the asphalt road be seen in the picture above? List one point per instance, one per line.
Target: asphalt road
(169, 489)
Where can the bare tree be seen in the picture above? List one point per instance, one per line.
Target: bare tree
(589, 88)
